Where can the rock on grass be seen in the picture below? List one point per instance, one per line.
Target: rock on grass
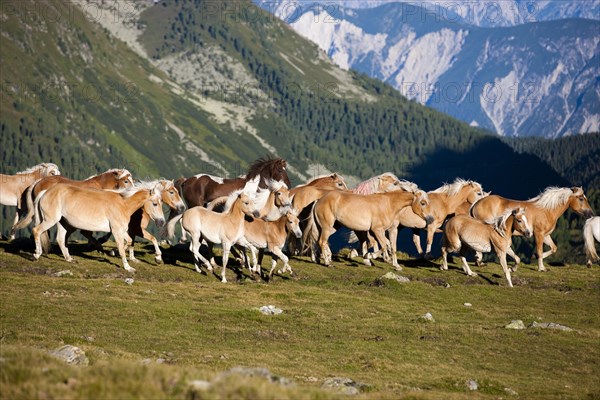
(515, 324)
(71, 355)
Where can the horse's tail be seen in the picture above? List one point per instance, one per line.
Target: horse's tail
(216, 202)
(168, 230)
(310, 236)
(44, 237)
(588, 239)
(26, 199)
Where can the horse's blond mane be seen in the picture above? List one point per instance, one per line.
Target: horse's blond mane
(121, 171)
(37, 168)
(370, 186)
(552, 197)
(274, 185)
(452, 189)
(421, 195)
(233, 196)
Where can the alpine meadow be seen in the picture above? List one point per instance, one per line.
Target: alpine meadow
(156, 129)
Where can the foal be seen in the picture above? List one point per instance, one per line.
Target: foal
(261, 235)
(463, 232)
(591, 231)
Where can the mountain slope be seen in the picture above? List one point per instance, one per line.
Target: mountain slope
(75, 95)
(537, 79)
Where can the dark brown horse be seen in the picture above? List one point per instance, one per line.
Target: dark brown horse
(201, 189)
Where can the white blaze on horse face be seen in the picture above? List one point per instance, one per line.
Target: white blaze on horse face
(528, 229)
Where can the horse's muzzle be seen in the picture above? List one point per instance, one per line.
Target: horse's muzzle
(180, 208)
(298, 233)
(429, 219)
(160, 222)
(256, 214)
(528, 233)
(588, 214)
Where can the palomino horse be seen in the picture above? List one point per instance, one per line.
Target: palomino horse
(226, 228)
(271, 235)
(13, 186)
(111, 179)
(202, 189)
(542, 212)
(140, 219)
(444, 201)
(463, 232)
(92, 210)
(376, 213)
(591, 231)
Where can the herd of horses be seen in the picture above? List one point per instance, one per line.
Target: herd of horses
(261, 211)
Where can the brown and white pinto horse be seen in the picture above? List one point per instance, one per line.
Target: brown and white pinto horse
(92, 210)
(111, 179)
(12, 187)
(463, 232)
(201, 189)
(542, 212)
(374, 213)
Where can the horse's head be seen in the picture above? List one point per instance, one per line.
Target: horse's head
(338, 181)
(50, 170)
(153, 206)
(123, 178)
(292, 223)
(247, 205)
(578, 202)
(388, 183)
(474, 192)
(421, 206)
(520, 222)
(170, 196)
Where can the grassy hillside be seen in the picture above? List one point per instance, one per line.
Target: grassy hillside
(340, 321)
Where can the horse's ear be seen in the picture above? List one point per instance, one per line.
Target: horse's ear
(334, 175)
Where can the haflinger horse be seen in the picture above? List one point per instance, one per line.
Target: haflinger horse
(271, 235)
(93, 210)
(444, 201)
(463, 232)
(13, 186)
(375, 213)
(542, 212)
(112, 179)
(226, 228)
(140, 219)
(591, 231)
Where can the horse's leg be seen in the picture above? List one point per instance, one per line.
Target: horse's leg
(91, 239)
(121, 237)
(183, 238)
(479, 258)
(157, 253)
(416, 237)
(37, 231)
(131, 251)
(60, 239)
(393, 245)
(445, 244)
(539, 250)
(226, 249)
(195, 249)
(363, 239)
(326, 254)
(502, 257)
(278, 254)
(11, 235)
(465, 264)
(548, 240)
(430, 232)
(380, 235)
(514, 256)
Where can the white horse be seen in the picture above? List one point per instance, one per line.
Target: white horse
(591, 231)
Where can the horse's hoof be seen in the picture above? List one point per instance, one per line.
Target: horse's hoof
(135, 260)
(473, 274)
(130, 269)
(224, 280)
(543, 269)
(398, 268)
(158, 260)
(427, 257)
(112, 253)
(367, 262)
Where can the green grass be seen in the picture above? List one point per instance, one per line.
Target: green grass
(336, 322)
